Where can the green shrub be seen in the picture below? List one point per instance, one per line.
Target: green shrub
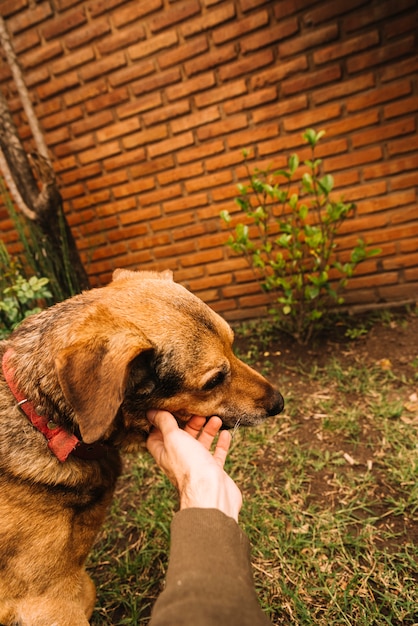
(20, 296)
(288, 237)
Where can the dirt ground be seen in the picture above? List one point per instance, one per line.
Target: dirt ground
(389, 342)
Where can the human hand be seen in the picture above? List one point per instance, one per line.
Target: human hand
(185, 457)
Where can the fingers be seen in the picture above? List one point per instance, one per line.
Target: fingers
(209, 432)
(163, 420)
(222, 447)
(194, 425)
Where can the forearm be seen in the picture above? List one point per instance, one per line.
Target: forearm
(209, 580)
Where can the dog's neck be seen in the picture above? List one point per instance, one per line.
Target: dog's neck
(60, 442)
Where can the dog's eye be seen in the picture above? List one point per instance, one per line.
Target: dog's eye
(213, 382)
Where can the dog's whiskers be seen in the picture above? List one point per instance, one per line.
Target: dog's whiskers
(236, 426)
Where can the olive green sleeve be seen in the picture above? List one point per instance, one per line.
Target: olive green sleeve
(209, 579)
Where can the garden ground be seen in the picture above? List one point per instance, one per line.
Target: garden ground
(330, 487)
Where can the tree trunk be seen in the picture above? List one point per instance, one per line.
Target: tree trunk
(32, 183)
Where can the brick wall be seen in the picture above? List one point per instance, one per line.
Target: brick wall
(147, 105)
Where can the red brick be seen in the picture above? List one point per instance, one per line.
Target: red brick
(174, 250)
(133, 188)
(358, 157)
(247, 5)
(270, 35)
(198, 153)
(61, 25)
(157, 81)
(330, 10)
(121, 39)
(180, 173)
(173, 222)
(202, 117)
(71, 61)
(375, 12)
(139, 215)
(350, 123)
(170, 145)
(41, 55)
(408, 144)
(396, 70)
(280, 108)
(145, 137)
(407, 105)
(252, 136)
(153, 45)
(221, 94)
(139, 105)
(81, 173)
(187, 88)
(7, 8)
(97, 154)
(211, 181)
(403, 181)
(26, 19)
(117, 206)
(88, 33)
(128, 232)
(63, 117)
(91, 199)
(75, 145)
(36, 77)
(135, 11)
(187, 202)
(312, 117)
(407, 214)
(239, 28)
(383, 54)
(395, 166)
(168, 112)
(103, 66)
(247, 65)
(344, 88)
(399, 27)
(85, 93)
(252, 101)
(394, 200)
(101, 6)
(107, 100)
(125, 159)
(91, 122)
(379, 95)
(151, 167)
(280, 71)
(226, 160)
(58, 85)
(306, 40)
(202, 258)
(223, 127)
(345, 48)
(387, 131)
(183, 52)
(180, 13)
(109, 180)
(117, 130)
(208, 20)
(213, 59)
(311, 80)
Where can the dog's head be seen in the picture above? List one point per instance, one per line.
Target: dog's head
(146, 342)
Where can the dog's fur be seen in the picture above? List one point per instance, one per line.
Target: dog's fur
(94, 365)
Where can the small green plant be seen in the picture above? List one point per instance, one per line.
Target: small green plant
(20, 296)
(288, 237)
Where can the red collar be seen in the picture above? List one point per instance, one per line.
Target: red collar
(60, 442)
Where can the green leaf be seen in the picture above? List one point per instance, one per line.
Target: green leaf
(293, 163)
(225, 216)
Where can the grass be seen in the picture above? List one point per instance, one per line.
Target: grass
(330, 507)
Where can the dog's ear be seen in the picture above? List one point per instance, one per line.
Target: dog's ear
(93, 376)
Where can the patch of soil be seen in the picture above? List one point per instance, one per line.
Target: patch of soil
(388, 345)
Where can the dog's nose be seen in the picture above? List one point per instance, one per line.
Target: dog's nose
(277, 404)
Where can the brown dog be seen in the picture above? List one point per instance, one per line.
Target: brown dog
(84, 373)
